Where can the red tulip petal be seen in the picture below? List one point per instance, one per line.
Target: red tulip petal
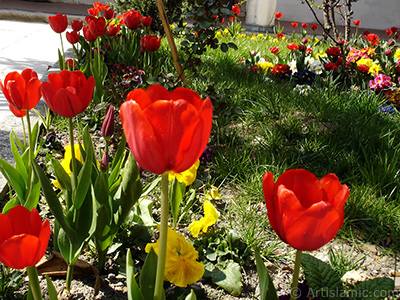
(304, 184)
(63, 103)
(48, 92)
(7, 230)
(273, 207)
(35, 222)
(157, 92)
(195, 142)
(32, 93)
(140, 97)
(5, 91)
(174, 123)
(188, 95)
(86, 92)
(18, 113)
(314, 228)
(17, 94)
(44, 237)
(28, 74)
(20, 251)
(56, 80)
(20, 220)
(141, 138)
(337, 194)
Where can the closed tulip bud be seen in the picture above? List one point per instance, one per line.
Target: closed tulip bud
(107, 129)
(104, 162)
(58, 23)
(388, 52)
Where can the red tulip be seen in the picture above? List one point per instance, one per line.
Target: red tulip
(274, 50)
(357, 22)
(166, 131)
(76, 25)
(22, 91)
(292, 46)
(304, 25)
(150, 43)
(88, 34)
(278, 15)
(109, 14)
(294, 24)
(97, 26)
(68, 93)
(72, 37)
(132, 19)
(93, 11)
(23, 237)
(305, 212)
(58, 23)
(314, 26)
(146, 21)
(236, 10)
(113, 30)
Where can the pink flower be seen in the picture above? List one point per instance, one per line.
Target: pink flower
(380, 82)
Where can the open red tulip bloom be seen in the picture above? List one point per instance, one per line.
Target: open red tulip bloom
(58, 23)
(305, 212)
(68, 93)
(166, 131)
(22, 91)
(23, 237)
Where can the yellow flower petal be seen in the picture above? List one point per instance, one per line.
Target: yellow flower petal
(181, 265)
(210, 217)
(187, 177)
(213, 193)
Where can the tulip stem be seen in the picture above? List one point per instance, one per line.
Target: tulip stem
(162, 250)
(295, 282)
(63, 53)
(28, 121)
(68, 279)
(34, 283)
(74, 175)
(24, 130)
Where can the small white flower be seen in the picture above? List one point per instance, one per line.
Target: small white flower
(302, 89)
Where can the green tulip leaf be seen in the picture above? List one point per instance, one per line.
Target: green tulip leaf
(134, 292)
(51, 290)
(267, 289)
(148, 275)
(84, 182)
(321, 277)
(374, 289)
(63, 178)
(10, 204)
(177, 193)
(14, 178)
(33, 190)
(15, 139)
(53, 202)
(228, 277)
(19, 163)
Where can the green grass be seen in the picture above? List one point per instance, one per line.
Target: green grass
(262, 127)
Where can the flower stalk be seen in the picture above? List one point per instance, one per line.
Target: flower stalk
(158, 290)
(296, 272)
(74, 176)
(34, 283)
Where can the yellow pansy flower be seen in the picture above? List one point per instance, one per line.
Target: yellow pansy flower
(187, 177)
(210, 217)
(181, 265)
(265, 65)
(66, 161)
(218, 34)
(172, 26)
(213, 193)
(374, 69)
(397, 54)
(226, 31)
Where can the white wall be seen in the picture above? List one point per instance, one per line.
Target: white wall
(374, 14)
